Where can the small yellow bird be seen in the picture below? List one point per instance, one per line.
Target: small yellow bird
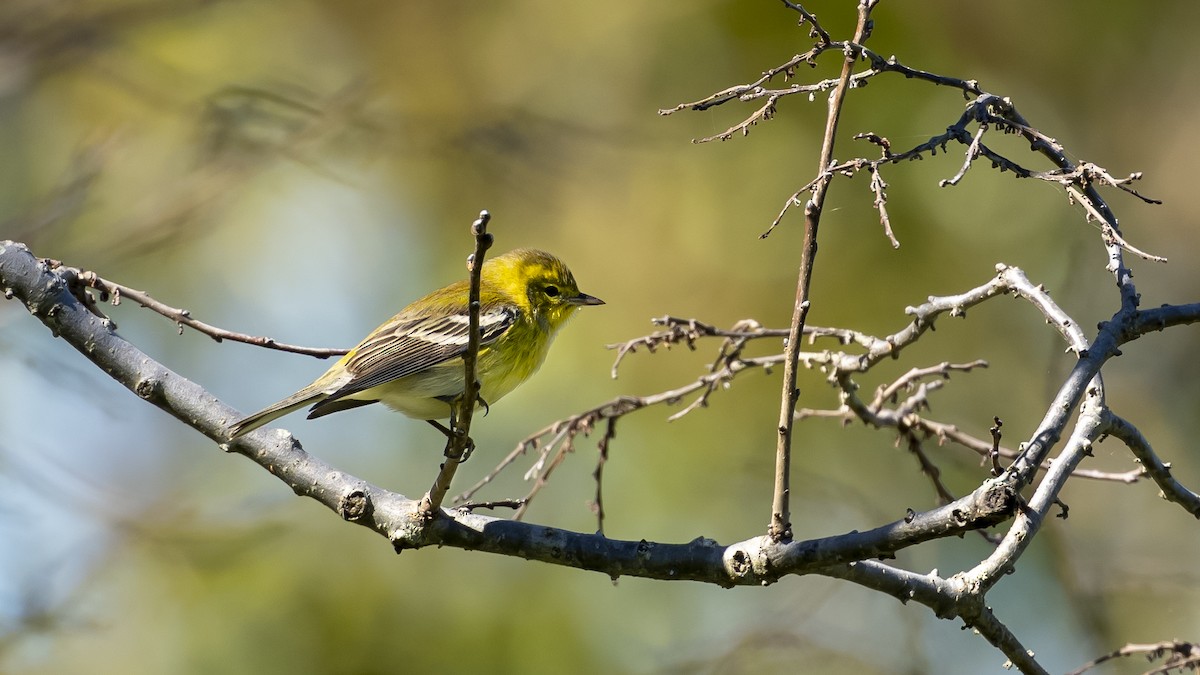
(413, 362)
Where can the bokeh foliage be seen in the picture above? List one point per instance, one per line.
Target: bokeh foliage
(302, 169)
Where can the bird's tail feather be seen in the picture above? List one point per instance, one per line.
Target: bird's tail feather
(274, 411)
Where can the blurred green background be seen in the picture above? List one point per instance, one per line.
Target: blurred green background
(302, 169)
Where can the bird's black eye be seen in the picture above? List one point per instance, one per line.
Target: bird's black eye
(552, 291)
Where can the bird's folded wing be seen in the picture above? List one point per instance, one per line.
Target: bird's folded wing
(410, 346)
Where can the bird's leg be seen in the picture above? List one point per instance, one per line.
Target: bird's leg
(451, 432)
(441, 427)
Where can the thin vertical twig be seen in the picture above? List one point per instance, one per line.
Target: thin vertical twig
(994, 453)
(610, 432)
(458, 441)
(781, 527)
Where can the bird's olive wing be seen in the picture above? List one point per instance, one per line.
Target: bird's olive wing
(410, 346)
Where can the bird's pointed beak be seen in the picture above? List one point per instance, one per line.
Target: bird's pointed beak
(585, 299)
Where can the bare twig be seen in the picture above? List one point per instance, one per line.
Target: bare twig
(458, 441)
(877, 415)
(1160, 318)
(688, 331)
(907, 380)
(986, 110)
(994, 453)
(816, 31)
(879, 188)
(787, 69)
(610, 432)
(109, 291)
(780, 528)
(556, 440)
(495, 504)
(928, 468)
(972, 153)
(1155, 468)
(1175, 655)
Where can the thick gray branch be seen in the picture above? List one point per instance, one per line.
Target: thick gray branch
(48, 296)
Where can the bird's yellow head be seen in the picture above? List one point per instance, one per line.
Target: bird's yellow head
(539, 283)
